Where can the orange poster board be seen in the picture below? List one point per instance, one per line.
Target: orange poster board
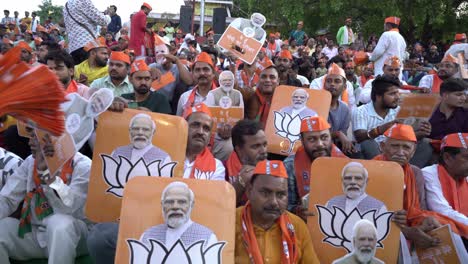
(228, 116)
(445, 252)
(114, 163)
(141, 209)
(282, 129)
(64, 150)
(331, 227)
(163, 80)
(418, 105)
(240, 45)
(22, 131)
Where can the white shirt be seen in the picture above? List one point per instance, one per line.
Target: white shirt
(427, 81)
(318, 84)
(365, 118)
(184, 98)
(219, 173)
(365, 95)
(351, 204)
(9, 163)
(330, 53)
(391, 43)
(435, 196)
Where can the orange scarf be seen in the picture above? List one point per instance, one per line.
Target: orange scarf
(364, 80)
(302, 165)
(344, 94)
(249, 81)
(264, 109)
(72, 87)
(233, 166)
(288, 243)
(415, 215)
(204, 163)
(272, 48)
(455, 192)
(436, 82)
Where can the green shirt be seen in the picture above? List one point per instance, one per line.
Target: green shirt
(156, 102)
(106, 82)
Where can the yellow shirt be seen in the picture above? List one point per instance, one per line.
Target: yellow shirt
(92, 73)
(269, 242)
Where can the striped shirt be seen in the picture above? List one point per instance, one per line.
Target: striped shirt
(9, 162)
(365, 118)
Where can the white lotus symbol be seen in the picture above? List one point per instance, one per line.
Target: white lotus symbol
(203, 175)
(117, 173)
(288, 127)
(159, 254)
(338, 227)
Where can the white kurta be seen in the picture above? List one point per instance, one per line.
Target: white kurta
(391, 43)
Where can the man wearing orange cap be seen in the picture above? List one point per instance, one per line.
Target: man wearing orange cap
(272, 48)
(265, 230)
(81, 17)
(61, 63)
(391, 43)
(415, 220)
(203, 75)
(284, 65)
(450, 116)
(199, 162)
(446, 184)
(117, 79)
(366, 75)
(316, 142)
(257, 106)
(26, 51)
(345, 35)
(141, 97)
(459, 38)
(138, 30)
(96, 65)
(447, 68)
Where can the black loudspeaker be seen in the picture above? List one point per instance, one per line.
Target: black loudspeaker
(219, 20)
(185, 21)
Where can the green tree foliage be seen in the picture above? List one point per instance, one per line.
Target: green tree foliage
(47, 8)
(420, 19)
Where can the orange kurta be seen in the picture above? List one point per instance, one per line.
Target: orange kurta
(269, 242)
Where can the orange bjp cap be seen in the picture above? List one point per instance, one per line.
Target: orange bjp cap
(314, 124)
(271, 167)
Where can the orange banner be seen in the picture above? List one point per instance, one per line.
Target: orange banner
(64, 149)
(163, 80)
(143, 233)
(418, 105)
(133, 149)
(240, 45)
(445, 252)
(284, 120)
(228, 116)
(341, 197)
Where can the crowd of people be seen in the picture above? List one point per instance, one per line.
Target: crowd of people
(172, 72)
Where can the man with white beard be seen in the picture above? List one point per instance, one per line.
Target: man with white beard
(298, 105)
(225, 95)
(354, 178)
(177, 201)
(364, 244)
(142, 129)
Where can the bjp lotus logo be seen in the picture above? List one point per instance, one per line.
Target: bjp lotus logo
(203, 175)
(118, 173)
(288, 127)
(158, 253)
(338, 227)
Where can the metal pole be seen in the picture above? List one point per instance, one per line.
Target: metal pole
(202, 16)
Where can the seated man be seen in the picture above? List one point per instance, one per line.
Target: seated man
(415, 220)
(96, 65)
(177, 201)
(52, 222)
(265, 231)
(446, 185)
(250, 147)
(450, 116)
(316, 142)
(447, 68)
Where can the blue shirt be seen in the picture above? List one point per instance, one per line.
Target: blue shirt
(115, 25)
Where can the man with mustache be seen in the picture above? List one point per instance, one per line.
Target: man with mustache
(117, 80)
(199, 162)
(177, 202)
(450, 116)
(316, 142)
(250, 147)
(448, 68)
(364, 245)
(225, 95)
(298, 105)
(95, 66)
(354, 178)
(142, 129)
(415, 220)
(142, 98)
(284, 64)
(265, 230)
